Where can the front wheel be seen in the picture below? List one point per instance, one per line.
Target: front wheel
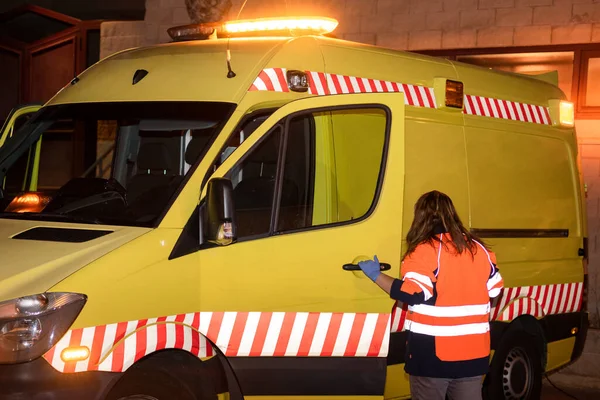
(166, 376)
(516, 370)
(141, 384)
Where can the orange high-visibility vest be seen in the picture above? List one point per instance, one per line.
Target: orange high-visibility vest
(457, 289)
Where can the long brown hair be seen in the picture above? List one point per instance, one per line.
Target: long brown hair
(435, 210)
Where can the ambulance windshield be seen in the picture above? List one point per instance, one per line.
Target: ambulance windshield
(106, 163)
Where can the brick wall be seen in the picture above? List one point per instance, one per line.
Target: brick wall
(442, 24)
(420, 24)
(117, 36)
(445, 24)
(160, 15)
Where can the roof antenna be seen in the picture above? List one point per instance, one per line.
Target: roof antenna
(230, 73)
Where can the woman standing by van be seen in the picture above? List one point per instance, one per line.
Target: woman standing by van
(448, 277)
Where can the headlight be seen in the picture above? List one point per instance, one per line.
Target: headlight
(30, 326)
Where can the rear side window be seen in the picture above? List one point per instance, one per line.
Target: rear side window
(321, 168)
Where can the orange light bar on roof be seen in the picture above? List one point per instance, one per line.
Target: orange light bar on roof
(255, 27)
(315, 25)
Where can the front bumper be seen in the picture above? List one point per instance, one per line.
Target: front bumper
(37, 380)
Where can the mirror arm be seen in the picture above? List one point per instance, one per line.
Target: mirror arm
(219, 220)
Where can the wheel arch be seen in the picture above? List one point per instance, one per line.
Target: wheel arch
(526, 323)
(118, 347)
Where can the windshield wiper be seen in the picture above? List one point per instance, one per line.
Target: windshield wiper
(50, 217)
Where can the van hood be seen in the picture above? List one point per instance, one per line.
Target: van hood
(35, 256)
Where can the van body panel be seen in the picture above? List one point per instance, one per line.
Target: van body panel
(33, 265)
(176, 72)
(505, 85)
(135, 281)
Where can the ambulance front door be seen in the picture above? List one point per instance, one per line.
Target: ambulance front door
(315, 189)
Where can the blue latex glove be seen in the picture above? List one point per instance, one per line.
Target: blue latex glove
(371, 268)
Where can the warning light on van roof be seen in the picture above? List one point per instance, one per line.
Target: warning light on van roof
(314, 25)
(562, 113)
(253, 27)
(567, 113)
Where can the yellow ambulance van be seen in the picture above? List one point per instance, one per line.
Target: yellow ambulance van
(255, 163)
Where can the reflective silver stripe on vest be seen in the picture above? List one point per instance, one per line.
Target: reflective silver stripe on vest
(447, 331)
(451, 311)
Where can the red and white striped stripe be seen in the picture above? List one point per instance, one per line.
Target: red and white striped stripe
(537, 301)
(115, 347)
(399, 317)
(322, 84)
(504, 109)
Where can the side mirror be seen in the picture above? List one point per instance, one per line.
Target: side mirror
(220, 212)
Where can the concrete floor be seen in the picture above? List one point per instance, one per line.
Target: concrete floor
(550, 393)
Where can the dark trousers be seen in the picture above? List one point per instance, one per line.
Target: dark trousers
(422, 388)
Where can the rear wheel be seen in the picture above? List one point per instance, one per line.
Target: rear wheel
(516, 370)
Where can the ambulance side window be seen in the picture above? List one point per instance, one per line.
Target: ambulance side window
(326, 173)
(239, 136)
(254, 182)
(332, 167)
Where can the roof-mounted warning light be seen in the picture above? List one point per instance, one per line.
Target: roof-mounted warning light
(286, 26)
(562, 113)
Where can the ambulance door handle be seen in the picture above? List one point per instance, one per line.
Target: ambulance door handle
(355, 267)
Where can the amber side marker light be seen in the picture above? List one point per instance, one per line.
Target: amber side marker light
(449, 94)
(75, 353)
(454, 94)
(255, 27)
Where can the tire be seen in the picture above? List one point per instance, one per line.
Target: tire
(516, 371)
(156, 384)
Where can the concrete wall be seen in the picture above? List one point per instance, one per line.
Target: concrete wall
(438, 24)
(160, 15)
(117, 36)
(425, 25)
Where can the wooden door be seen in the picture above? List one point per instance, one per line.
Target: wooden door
(35, 64)
(10, 71)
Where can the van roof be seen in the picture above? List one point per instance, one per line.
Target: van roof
(197, 71)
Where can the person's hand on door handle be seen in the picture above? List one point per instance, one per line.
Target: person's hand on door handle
(371, 268)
